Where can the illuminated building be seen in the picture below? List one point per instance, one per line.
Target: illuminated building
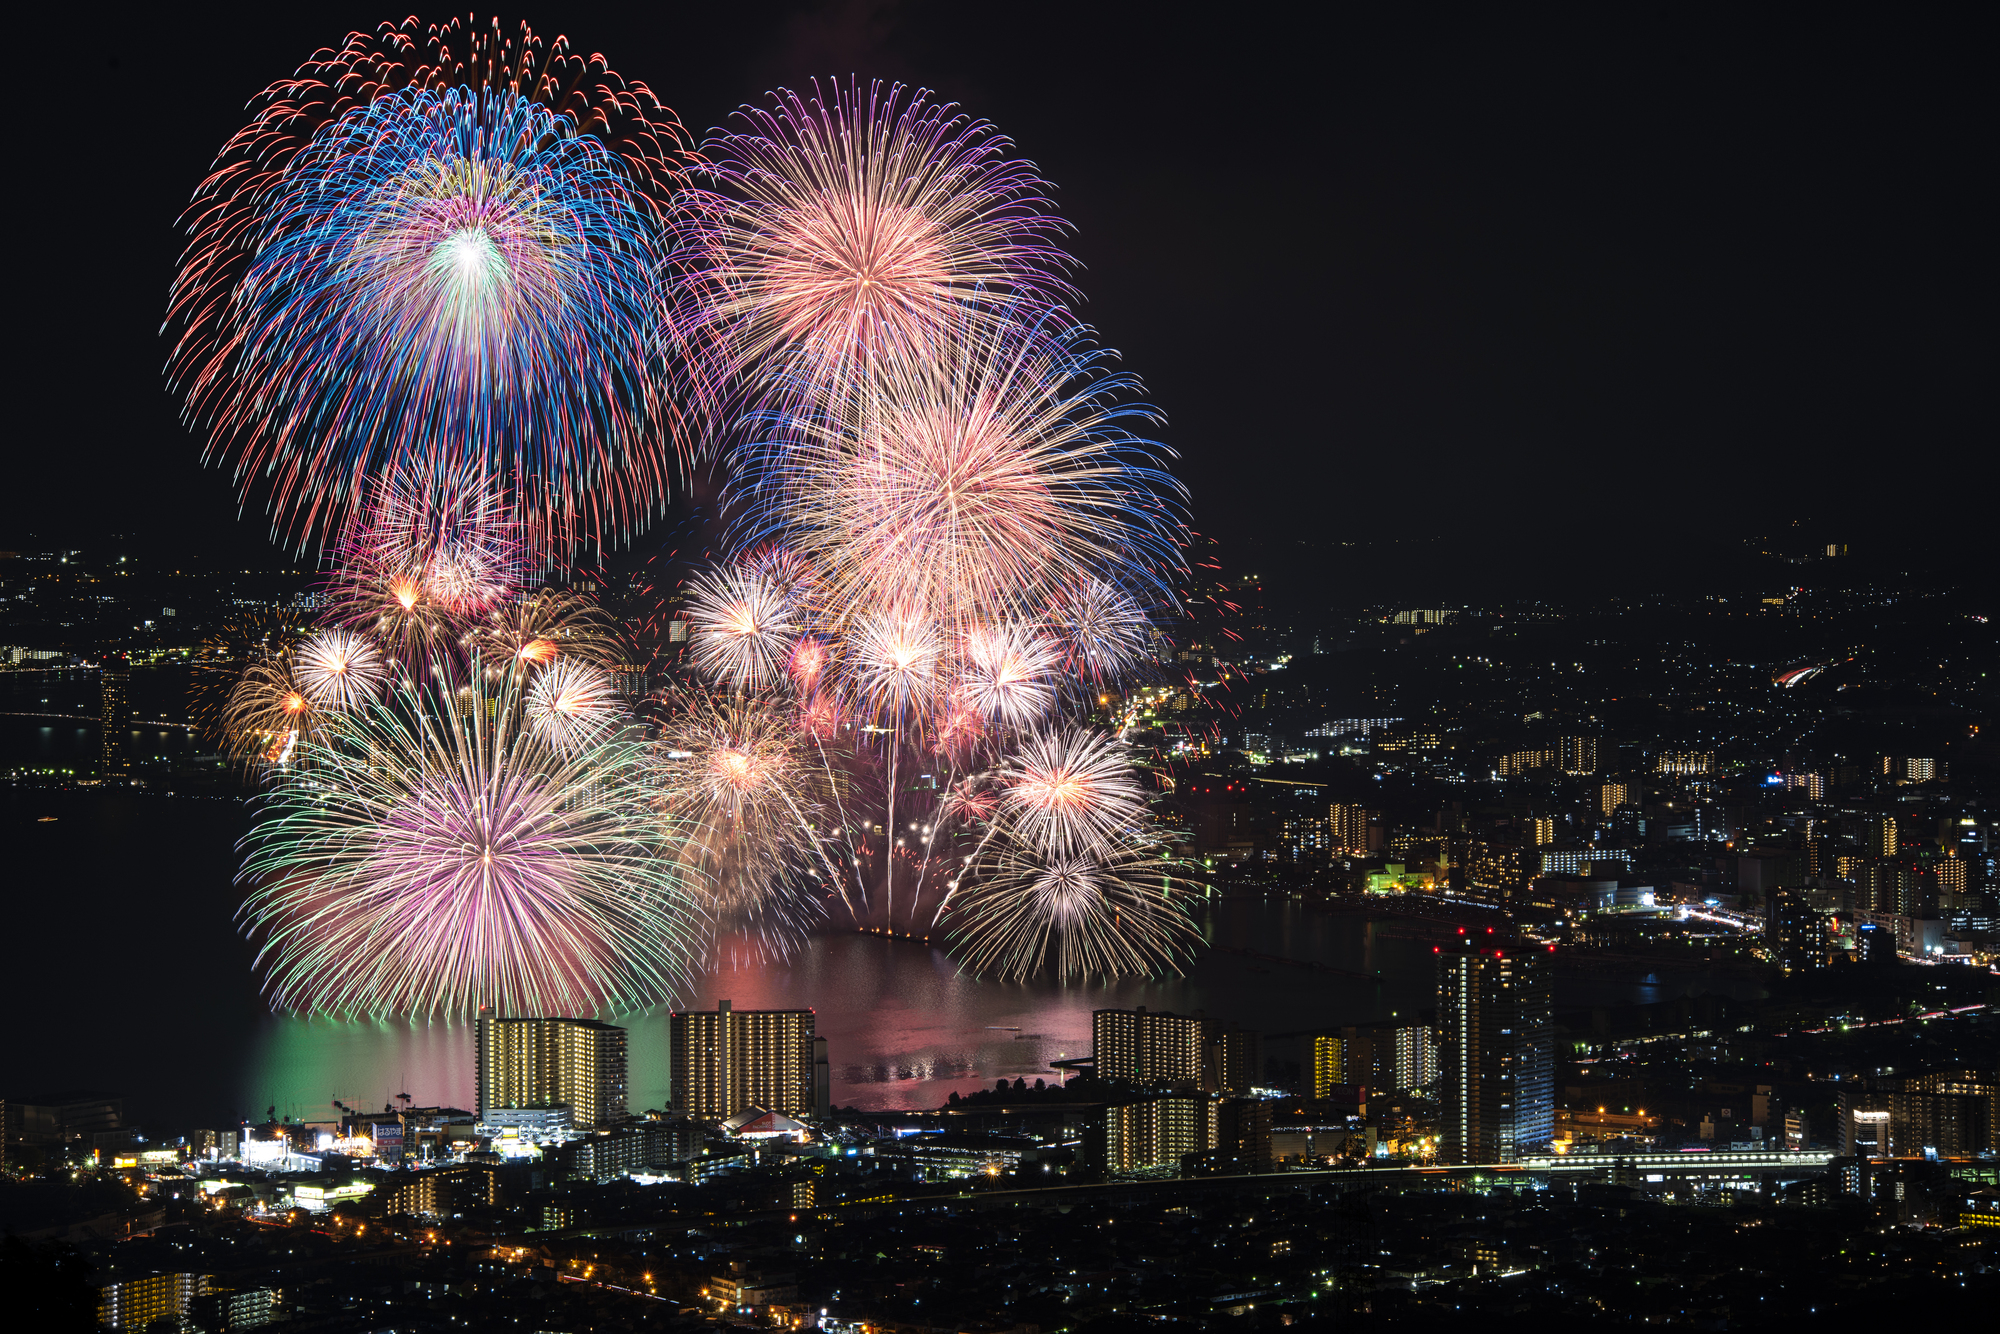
(1381, 1058)
(1797, 932)
(1612, 796)
(536, 1063)
(1953, 1114)
(1496, 1051)
(135, 1303)
(1329, 1063)
(1685, 763)
(1190, 1052)
(435, 1192)
(239, 1308)
(725, 1060)
(1577, 754)
(1157, 1132)
(114, 714)
(1520, 762)
(1602, 863)
(1541, 830)
(1882, 836)
(1144, 1047)
(1496, 872)
(1354, 831)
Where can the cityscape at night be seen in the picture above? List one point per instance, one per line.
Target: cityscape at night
(863, 666)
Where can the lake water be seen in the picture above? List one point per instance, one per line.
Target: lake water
(125, 972)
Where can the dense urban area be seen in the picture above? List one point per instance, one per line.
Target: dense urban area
(1783, 781)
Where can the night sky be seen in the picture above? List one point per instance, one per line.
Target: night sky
(1609, 279)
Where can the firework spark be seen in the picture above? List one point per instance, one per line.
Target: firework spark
(441, 855)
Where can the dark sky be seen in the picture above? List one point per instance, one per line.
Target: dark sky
(1626, 274)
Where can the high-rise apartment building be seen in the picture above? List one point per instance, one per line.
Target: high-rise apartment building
(1577, 754)
(1882, 839)
(1382, 1058)
(1613, 796)
(1148, 1046)
(1182, 1051)
(135, 1303)
(725, 1060)
(1797, 932)
(1348, 829)
(1329, 1063)
(1541, 830)
(1158, 1132)
(114, 714)
(1496, 1053)
(575, 1063)
(1497, 872)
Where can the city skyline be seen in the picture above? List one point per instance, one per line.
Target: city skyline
(875, 668)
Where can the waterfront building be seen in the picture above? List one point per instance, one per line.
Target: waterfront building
(546, 1063)
(1190, 1052)
(114, 716)
(727, 1059)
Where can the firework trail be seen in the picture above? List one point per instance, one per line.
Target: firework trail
(758, 800)
(437, 279)
(441, 855)
(846, 224)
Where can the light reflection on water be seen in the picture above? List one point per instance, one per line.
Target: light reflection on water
(135, 979)
(905, 1028)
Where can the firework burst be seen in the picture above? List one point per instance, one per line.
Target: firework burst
(268, 711)
(540, 627)
(743, 626)
(972, 486)
(757, 798)
(1008, 671)
(443, 855)
(339, 670)
(438, 277)
(847, 224)
(1027, 911)
(572, 704)
(219, 667)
